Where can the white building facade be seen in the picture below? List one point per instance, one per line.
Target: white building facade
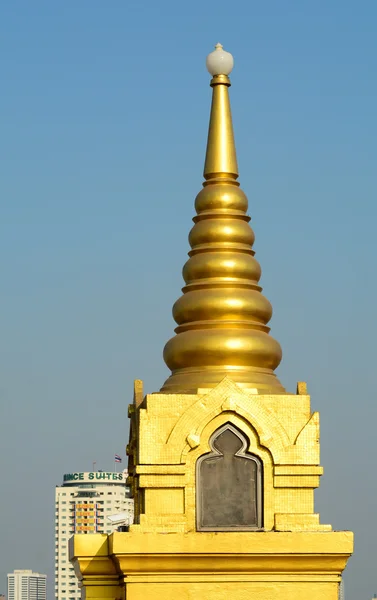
(83, 504)
(26, 585)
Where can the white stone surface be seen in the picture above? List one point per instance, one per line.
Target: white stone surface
(219, 62)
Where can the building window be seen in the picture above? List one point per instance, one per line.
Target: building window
(229, 484)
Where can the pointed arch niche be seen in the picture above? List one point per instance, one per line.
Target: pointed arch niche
(229, 484)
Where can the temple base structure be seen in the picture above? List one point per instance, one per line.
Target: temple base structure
(211, 566)
(288, 554)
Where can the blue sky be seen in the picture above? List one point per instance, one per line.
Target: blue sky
(105, 111)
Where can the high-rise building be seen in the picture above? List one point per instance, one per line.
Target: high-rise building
(26, 585)
(82, 504)
(341, 589)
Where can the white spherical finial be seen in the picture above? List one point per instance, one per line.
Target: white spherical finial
(219, 62)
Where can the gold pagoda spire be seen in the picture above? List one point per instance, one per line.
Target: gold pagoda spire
(222, 315)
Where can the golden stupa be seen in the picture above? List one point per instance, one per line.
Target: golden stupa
(222, 316)
(223, 462)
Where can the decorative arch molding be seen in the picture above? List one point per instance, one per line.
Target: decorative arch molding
(228, 397)
(229, 484)
(193, 454)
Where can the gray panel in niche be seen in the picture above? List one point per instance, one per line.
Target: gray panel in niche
(228, 484)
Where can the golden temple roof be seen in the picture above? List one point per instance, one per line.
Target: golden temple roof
(222, 315)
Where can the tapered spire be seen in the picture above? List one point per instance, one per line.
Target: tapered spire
(221, 150)
(222, 315)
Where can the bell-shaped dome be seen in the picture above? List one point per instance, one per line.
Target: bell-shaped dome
(222, 315)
